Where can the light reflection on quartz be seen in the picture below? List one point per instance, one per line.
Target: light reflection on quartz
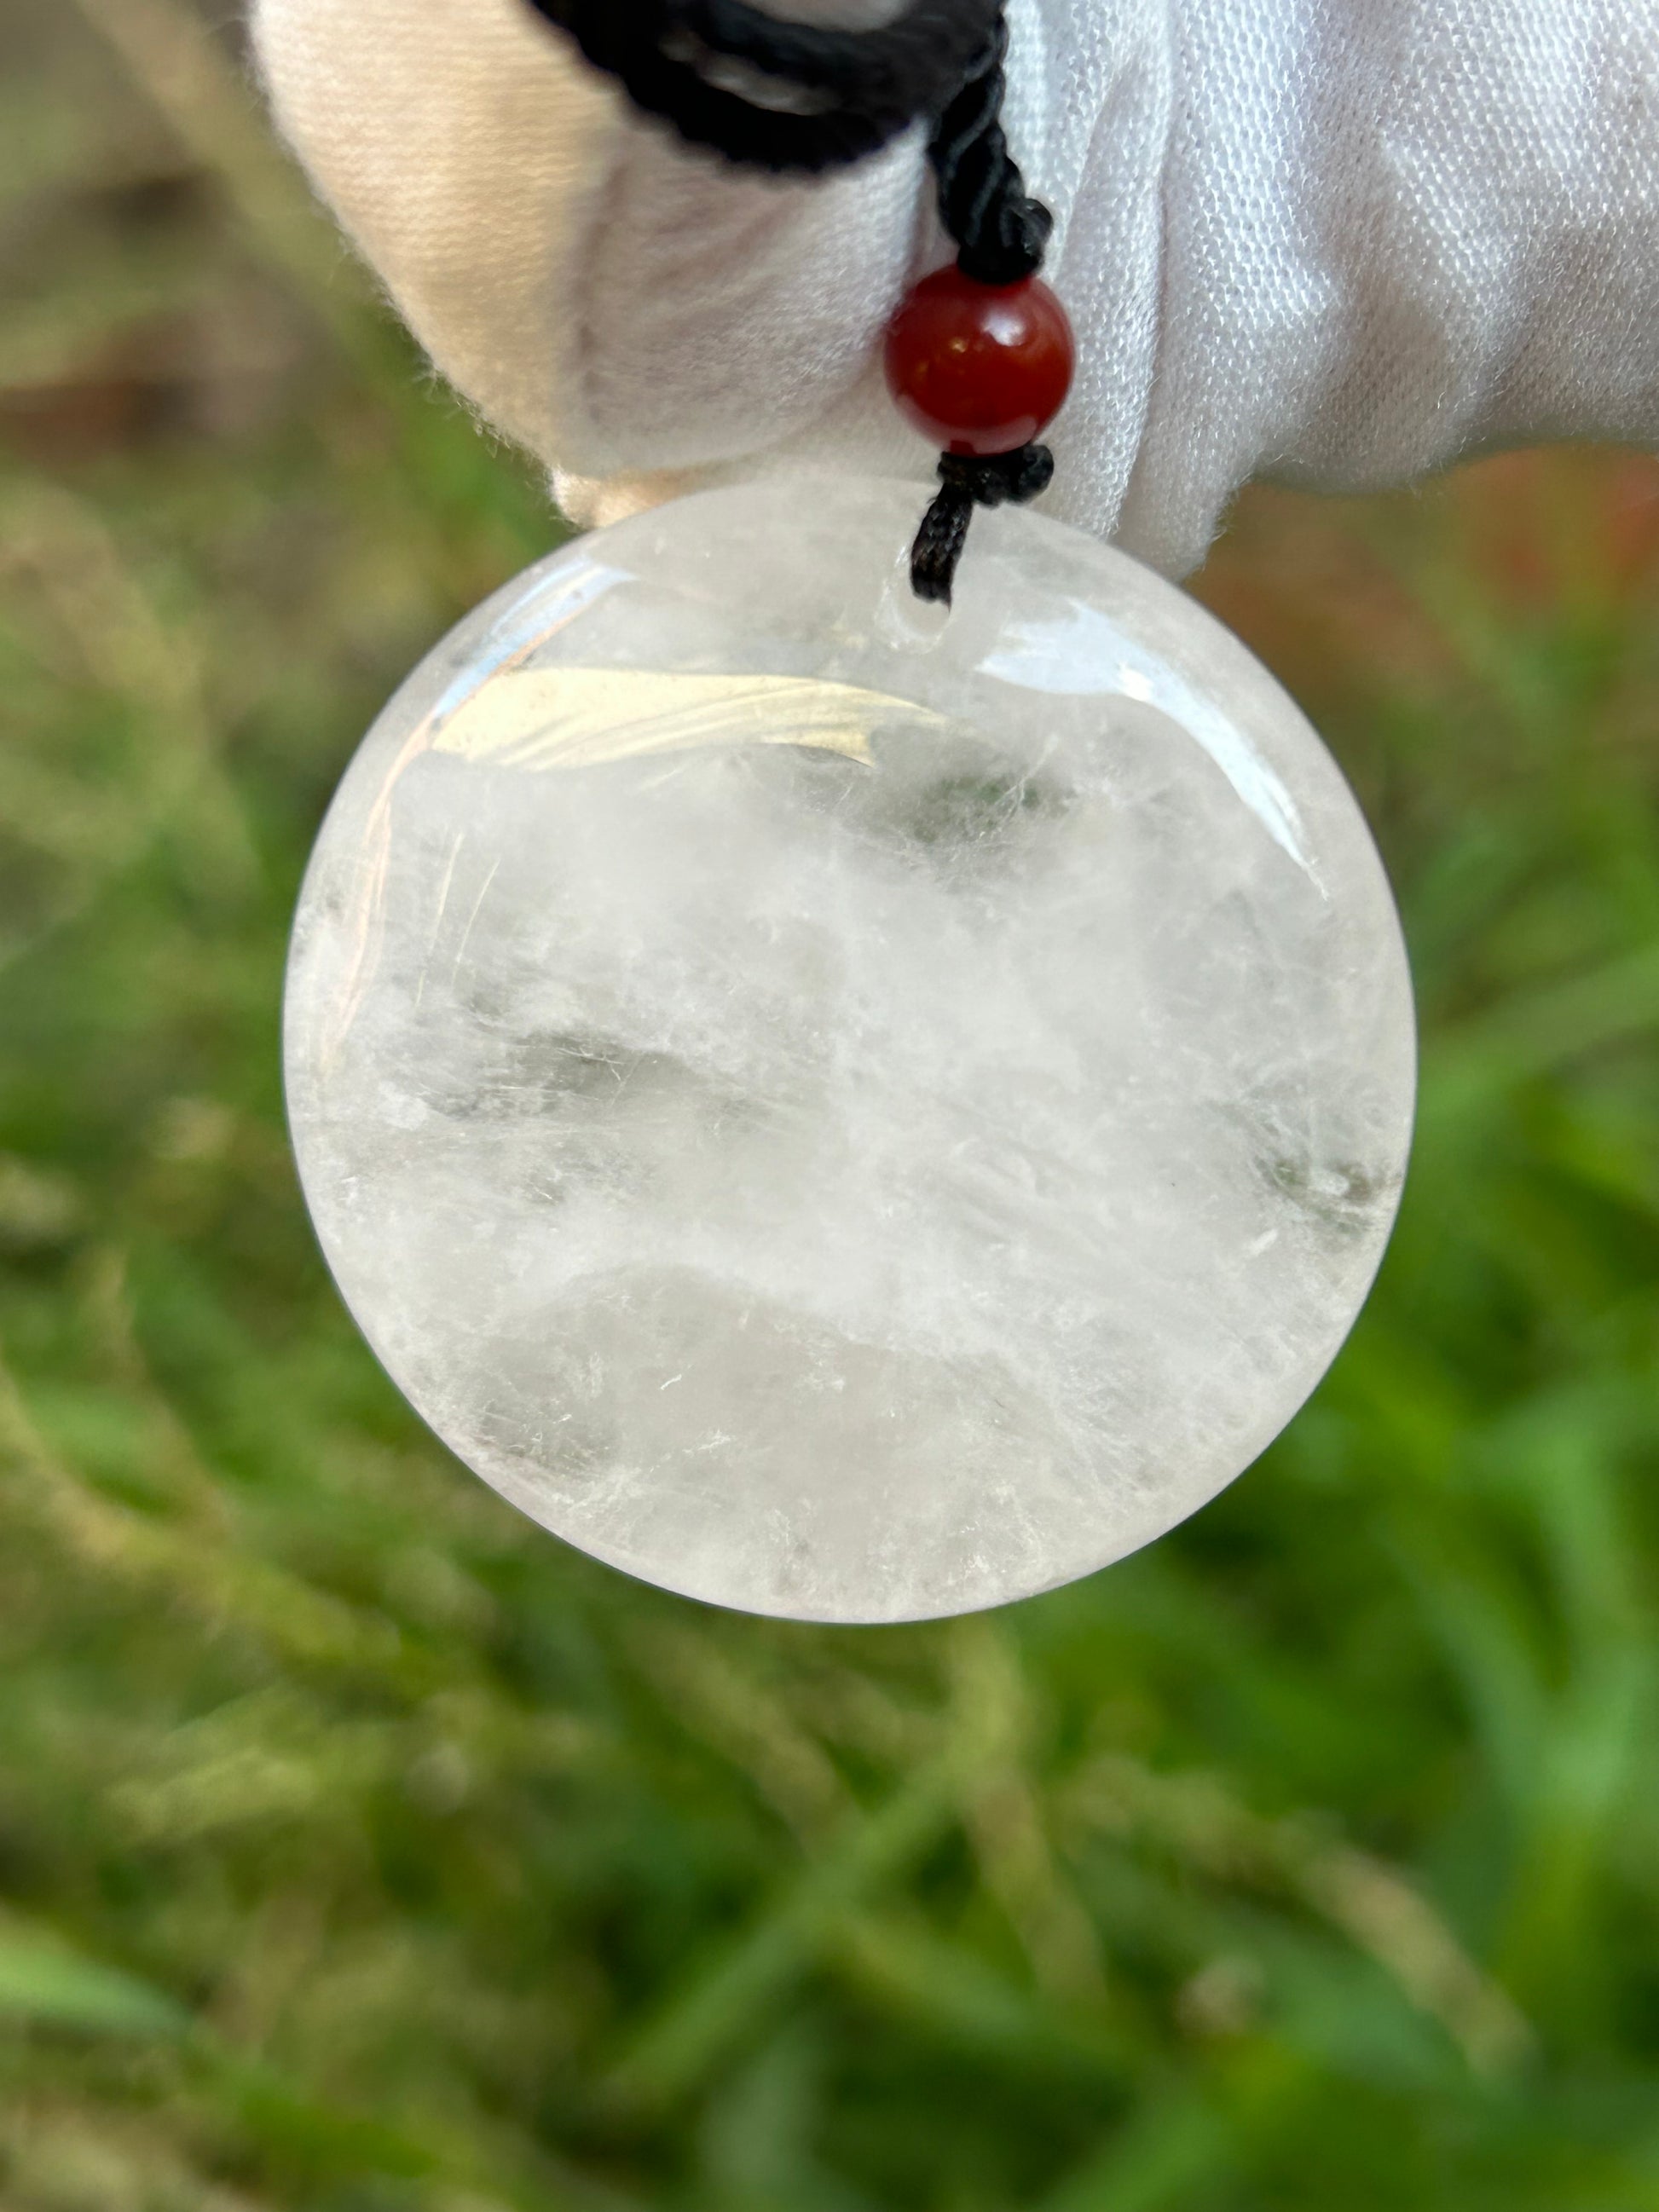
(529, 621)
(1083, 654)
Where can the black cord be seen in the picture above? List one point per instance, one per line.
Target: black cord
(1002, 234)
(970, 480)
(776, 94)
(785, 96)
(1001, 231)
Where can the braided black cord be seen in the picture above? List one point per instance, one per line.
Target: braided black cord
(788, 96)
(1002, 232)
(863, 88)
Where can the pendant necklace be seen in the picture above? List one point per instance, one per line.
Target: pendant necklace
(852, 1074)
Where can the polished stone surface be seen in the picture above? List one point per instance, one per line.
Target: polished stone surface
(839, 1111)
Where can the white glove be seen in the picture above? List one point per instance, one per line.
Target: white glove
(1338, 241)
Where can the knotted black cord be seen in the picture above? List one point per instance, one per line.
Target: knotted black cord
(785, 96)
(970, 480)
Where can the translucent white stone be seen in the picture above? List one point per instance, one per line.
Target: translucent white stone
(843, 1113)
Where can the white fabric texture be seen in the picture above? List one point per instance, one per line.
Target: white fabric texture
(1340, 242)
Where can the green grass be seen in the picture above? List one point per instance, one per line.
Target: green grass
(360, 1847)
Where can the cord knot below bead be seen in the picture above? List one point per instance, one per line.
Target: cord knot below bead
(967, 481)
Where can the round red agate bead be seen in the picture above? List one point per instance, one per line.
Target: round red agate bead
(980, 368)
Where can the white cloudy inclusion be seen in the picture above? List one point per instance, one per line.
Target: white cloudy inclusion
(841, 1113)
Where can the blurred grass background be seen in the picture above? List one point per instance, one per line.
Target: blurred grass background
(362, 1849)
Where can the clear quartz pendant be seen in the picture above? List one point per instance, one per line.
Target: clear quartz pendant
(842, 1112)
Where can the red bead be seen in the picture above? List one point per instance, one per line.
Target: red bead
(980, 368)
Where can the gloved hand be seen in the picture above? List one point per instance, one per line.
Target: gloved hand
(1337, 241)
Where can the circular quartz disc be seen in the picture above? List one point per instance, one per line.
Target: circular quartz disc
(838, 1111)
